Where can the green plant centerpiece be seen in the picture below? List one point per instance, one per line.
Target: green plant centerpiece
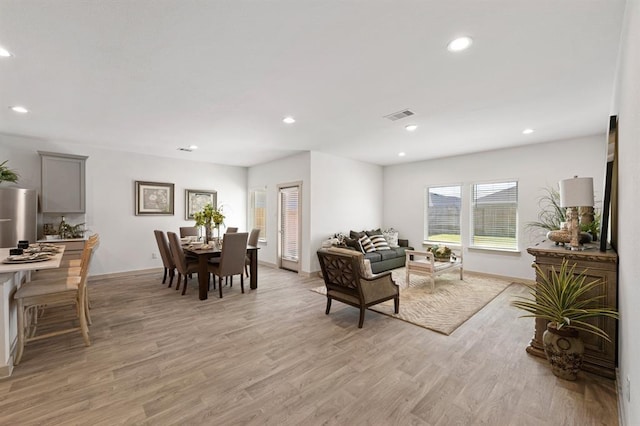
(565, 300)
(442, 253)
(209, 217)
(6, 174)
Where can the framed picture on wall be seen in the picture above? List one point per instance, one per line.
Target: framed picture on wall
(154, 198)
(196, 199)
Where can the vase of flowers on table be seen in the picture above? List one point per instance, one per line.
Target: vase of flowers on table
(209, 217)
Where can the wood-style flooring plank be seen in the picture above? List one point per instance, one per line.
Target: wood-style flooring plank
(272, 357)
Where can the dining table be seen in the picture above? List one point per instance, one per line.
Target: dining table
(204, 254)
(12, 276)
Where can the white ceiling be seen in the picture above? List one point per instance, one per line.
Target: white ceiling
(150, 76)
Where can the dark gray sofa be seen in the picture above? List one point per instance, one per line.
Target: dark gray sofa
(383, 260)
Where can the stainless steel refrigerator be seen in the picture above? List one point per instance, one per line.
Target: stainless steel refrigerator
(18, 216)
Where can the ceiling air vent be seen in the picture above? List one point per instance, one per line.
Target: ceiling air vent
(185, 149)
(399, 115)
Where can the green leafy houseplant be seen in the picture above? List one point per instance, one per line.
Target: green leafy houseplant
(6, 174)
(563, 299)
(551, 215)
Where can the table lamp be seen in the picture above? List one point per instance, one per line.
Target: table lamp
(574, 193)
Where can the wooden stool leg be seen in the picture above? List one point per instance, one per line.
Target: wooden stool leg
(20, 344)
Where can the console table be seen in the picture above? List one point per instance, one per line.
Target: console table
(600, 355)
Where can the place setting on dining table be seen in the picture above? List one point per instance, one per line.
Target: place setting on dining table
(31, 253)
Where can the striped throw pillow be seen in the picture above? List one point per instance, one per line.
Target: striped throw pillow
(365, 244)
(379, 242)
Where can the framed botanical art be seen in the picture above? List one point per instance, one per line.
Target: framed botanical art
(196, 199)
(154, 198)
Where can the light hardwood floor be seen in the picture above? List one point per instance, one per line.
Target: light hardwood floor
(271, 356)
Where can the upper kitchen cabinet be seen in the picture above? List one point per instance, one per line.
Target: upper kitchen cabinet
(63, 182)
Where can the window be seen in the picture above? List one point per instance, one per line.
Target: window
(258, 212)
(442, 221)
(494, 215)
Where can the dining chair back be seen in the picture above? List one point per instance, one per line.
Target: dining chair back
(185, 266)
(165, 255)
(188, 231)
(232, 258)
(232, 230)
(253, 241)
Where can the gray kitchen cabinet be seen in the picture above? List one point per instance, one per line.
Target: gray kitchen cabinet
(63, 182)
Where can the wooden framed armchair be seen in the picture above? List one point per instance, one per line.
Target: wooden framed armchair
(341, 270)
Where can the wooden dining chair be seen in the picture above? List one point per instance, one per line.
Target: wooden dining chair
(253, 241)
(71, 268)
(186, 266)
(188, 231)
(231, 260)
(165, 255)
(54, 292)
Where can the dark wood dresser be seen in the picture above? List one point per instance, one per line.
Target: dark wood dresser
(600, 355)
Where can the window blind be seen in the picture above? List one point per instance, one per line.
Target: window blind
(495, 208)
(289, 220)
(442, 215)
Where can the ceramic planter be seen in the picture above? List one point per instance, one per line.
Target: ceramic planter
(564, 350)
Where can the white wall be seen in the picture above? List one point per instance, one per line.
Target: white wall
(628, 109)
(127, 240)
(534, 167)
(345, 194)
(268, 176)
(338, 194)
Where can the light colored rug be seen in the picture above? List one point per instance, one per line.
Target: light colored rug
(451, 304)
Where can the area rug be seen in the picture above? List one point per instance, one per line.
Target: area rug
(451, 304)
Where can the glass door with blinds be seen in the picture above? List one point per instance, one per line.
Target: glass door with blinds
(289, 218)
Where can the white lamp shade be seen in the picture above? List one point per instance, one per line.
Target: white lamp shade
(576, 192)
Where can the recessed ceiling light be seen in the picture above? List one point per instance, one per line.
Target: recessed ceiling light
(289, 120)
(459, 44)
(401, 154)
(193, 146)
(19, 109)
(527, 131)
(4, 53)
(411, 127)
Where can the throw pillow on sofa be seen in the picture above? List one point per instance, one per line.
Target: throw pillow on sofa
(366, 244)
(379, 243)
(391, 235)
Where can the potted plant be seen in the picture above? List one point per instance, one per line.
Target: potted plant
(209, 217)
(564, 299)
(6, 174)
(442, 253)
(551, 218)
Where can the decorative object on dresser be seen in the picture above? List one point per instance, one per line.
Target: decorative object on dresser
(552, 218)
(154, 198)
(595, 266)
(575, 193)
